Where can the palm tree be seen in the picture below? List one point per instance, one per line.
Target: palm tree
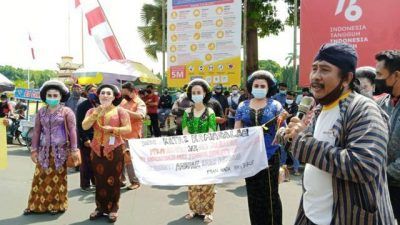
(151, 33)
(290, 58)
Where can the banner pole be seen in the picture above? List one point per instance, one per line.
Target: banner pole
(244, 75)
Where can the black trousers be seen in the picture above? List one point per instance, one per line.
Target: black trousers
(86, 171)
(394, 193)
(265, 206)
(155, 129)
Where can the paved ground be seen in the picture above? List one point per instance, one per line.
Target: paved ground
(146, 206)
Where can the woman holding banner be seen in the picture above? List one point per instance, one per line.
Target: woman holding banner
(49, 151)
(108, 122)
(264, 203)
(199, 119)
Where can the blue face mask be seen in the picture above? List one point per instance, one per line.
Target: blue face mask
(197, 98)
(282, 92)
(92, 97)
(52, 102)
(259, 93)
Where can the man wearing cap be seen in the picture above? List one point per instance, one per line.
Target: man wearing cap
(344, 147)
(75, 99)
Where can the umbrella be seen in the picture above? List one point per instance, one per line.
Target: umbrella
(115, 72)
(6, 84)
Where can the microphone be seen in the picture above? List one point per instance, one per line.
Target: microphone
(303, 108)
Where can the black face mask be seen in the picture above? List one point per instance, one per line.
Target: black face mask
(381, 87)
(126, 97)
(332, 96)
(148, 91)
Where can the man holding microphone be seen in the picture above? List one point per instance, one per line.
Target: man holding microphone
(344, 147)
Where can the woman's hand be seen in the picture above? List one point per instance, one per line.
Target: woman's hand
(34, 157)
(108, 129)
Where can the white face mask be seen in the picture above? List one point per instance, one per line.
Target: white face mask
(289, 102)
(235, 92)
(197, 98)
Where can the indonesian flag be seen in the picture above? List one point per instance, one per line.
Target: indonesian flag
(100, 29)
(30, 43)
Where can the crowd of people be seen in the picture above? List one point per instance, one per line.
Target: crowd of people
(348, 142)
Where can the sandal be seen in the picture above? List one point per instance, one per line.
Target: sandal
(112, 217)
(133, 186)
(96, 214)
(208, 219)
(190, 215)
(53, 212)
(27, 212)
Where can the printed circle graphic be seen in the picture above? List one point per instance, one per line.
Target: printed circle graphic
(208, 57)
(174, 38)
(197, 25)
(172, 27)
(219, 23)
(196, 36)
(196, 13)
(220, 34)
(219, 10)
(211, 46)
(193, 47)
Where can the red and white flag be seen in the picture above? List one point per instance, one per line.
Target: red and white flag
(100, 29)
(31, 45)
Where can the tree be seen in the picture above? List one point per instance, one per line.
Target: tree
(287, 76)
(261, 22)
(151, 33)
(290, 57)
(20, 76)
(271, 66)
(291, 10)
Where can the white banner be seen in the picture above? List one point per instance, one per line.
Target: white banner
(208, 158)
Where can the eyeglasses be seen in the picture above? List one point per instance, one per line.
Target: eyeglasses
(52, 95)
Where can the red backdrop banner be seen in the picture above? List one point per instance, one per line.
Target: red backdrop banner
(370, 26)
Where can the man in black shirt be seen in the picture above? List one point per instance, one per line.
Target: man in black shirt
(85, 138)
(222, 101)
(164, 107)
(290, 105)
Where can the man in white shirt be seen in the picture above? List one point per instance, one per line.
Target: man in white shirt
(344, 147)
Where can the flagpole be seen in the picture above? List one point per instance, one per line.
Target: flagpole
(82, 40)
(112, 31)
(69, 29)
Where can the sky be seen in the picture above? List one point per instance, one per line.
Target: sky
(50, 27)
